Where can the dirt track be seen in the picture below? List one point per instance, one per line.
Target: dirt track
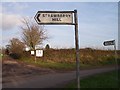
(13, 70)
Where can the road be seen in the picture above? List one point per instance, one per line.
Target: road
(53, 80)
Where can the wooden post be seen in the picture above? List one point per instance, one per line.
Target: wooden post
(77, 50)
(35, 55)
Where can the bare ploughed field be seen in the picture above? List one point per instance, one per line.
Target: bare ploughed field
(13, 70)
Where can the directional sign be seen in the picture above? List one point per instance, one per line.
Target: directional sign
(54, 17)
(106, 43)
(62, 18)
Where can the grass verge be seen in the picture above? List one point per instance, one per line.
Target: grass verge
(58, 65)
(51, 64)
(104, 80)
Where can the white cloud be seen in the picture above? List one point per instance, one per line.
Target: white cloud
(18, 7)
(11, 15)
(9, 21)
(14, 7)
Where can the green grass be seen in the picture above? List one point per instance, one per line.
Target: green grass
(51, 64)
(104, 80)
(57, 65)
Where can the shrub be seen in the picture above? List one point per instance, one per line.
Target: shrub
(15, 55)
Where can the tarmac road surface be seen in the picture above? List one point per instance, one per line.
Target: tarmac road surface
(53, 80)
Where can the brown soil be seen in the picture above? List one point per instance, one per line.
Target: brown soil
(13, 69)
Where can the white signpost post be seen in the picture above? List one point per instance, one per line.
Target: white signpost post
(62, 18)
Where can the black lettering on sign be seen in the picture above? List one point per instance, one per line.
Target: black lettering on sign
(43, 15)
(66, 15)
(69, 15)
(60, 15)
(54, 15)
(63, 15)
(56, 19)
(48, 15)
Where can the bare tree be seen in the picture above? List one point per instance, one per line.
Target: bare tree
(33, 34)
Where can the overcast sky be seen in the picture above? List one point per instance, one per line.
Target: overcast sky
(98, 21)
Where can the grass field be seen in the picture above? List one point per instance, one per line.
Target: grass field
(104, 80)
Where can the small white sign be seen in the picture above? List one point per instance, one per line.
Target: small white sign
(39, 53)
(32, 52)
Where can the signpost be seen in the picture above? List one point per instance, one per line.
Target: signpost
(62, 18)
(107, 43)
(54, 17)
(112, 42)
